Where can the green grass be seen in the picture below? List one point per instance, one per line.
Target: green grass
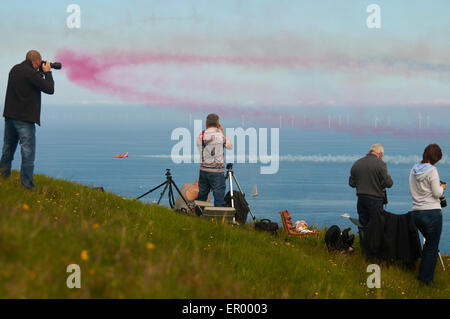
(128, 249)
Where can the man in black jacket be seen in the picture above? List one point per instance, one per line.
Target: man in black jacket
(22, 111)
(370, 177)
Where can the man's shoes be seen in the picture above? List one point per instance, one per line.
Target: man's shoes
(30, 189)
(427, 283)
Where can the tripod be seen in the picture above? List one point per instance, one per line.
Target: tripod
(230, 176)
(168, 185)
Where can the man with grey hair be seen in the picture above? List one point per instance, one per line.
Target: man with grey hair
(211, 144)
(370, 177)
(22, 111)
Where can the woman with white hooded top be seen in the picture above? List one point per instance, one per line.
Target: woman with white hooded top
(426, 190)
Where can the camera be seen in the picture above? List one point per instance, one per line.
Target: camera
(385, 198)
(442, 198)
(54, 65)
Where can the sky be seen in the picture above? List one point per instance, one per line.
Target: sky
(237, 54)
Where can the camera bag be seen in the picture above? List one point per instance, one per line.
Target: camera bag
(266, 225)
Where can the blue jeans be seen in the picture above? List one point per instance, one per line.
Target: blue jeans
(24, 132)
(214, 181)
(429, 222)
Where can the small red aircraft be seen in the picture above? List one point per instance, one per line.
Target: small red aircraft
(121, 155)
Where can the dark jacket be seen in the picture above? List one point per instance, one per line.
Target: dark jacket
(370, 177)
(23, 93)
(391, 237)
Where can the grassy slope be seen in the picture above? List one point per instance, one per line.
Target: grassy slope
(127, 249)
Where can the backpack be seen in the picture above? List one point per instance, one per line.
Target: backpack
(240, 204)
(267, 225)
(335, 239)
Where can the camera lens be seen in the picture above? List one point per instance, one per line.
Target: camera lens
(443, 201)
(56, 65)
(53, 65)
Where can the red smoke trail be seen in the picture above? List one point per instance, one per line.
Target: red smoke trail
(107, 60)
(90, 71)
(110, 59)
(368, 129)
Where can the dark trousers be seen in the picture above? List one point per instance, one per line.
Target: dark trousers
(367, 207)
(24, 132)
(214, 181)
(429, 223)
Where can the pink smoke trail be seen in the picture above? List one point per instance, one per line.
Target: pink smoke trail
(102, 62)
(90, 71)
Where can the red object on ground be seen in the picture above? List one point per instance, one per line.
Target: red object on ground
(290, 228)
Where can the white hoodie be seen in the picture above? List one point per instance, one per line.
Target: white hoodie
(425, 187)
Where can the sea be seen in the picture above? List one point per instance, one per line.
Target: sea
(77, 143)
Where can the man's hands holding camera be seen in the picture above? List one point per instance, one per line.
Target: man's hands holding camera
(46, 66)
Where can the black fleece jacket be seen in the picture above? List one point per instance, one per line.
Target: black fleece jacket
(391, 237)
(23, 93)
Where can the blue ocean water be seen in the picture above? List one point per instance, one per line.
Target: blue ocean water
(77, 142)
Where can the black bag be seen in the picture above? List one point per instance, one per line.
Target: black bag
(240, 204)
(335, 239)
(266, 225)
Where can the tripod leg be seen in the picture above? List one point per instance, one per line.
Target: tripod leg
(442, 262)
(151, 190)
(179, 193)
(162, 194)
(170, 196)
(230, 181)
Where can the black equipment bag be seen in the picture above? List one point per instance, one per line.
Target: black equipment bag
(266, 225)
(240, 204)
(337, 239)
